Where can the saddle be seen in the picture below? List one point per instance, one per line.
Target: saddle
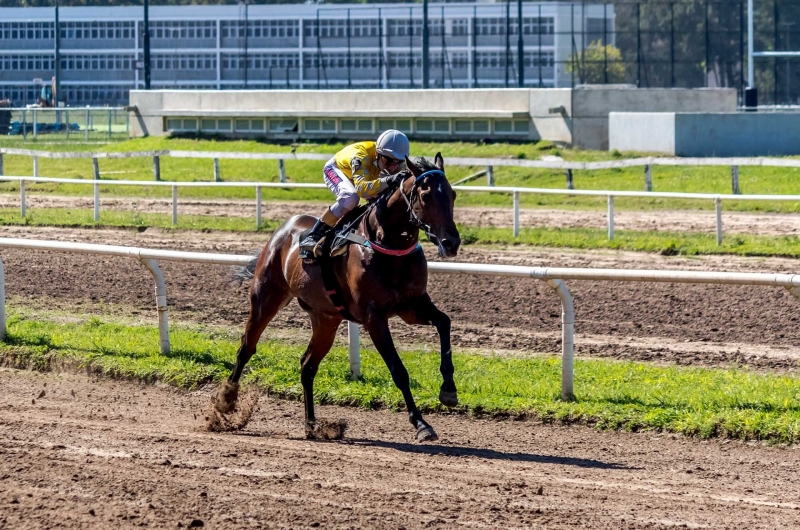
(336, 239)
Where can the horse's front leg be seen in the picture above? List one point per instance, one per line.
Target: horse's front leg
(422, 311)
(377, 324)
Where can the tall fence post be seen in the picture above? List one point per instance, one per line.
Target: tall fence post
(282, 169)
(174, 205)
(109, 124)
(570, 184)
(216, 170)
(718, 208)
(516, 214)
(24, 124)
(157, 168)
(96, 202)
(258, 207)
(489, 176)
(96, 168)
(36, 166)
(86, 127)
(735, 180)
(2, 169)
(610, 217)
(648, 178)
(354, 350)
(34, 124)
(66, 117)
(22, 205)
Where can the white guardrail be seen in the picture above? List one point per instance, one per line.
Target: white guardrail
(554, 276)
(515, 192)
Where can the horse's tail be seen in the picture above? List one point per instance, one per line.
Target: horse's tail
(246, 273)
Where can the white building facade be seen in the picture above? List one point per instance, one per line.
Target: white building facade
(101, 49)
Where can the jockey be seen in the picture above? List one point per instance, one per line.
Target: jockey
(364, 169)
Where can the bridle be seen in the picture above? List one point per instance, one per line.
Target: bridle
(413, 217)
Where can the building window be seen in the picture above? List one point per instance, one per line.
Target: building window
(352, 126)
(433, 126)
(284, 125)
(324, 126)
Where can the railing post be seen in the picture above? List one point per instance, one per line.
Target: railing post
(157, 168)
(2, 169)
(354, 350)
(24, 124)
(2, 302)
(570, 184)
(282, 169)
(174, 205)
(489, 176)
(735, 180)
(36, 166)
(34, 124)
(66, 117)
(96, 202)
(567, 339)
(96, 167)
(161, 304)
(648, 178)
(258, 207)
(22, 197)
(216, 170)
(516, 214)
(718, 208)
(109, 124)
(610, 217)
(86, 127)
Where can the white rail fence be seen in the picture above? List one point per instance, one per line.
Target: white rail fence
(515, 192)
(553, 276)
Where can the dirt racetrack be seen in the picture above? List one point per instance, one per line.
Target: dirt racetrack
(105, 454)
(666, 323)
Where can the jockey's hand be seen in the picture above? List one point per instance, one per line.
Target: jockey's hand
(392, 181)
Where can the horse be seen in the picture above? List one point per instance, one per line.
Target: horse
(377, 282)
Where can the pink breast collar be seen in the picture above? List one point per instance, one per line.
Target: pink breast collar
(383, 250)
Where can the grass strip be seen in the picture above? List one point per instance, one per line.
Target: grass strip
(753, 180)
(610, 395)
(667, 243)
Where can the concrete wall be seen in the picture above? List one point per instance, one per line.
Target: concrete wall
(591, 107)
(578, 117)
(708, 134)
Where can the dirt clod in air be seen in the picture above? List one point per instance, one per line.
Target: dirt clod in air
(237, 419)
(328, 430)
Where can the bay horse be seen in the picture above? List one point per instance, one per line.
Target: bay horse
(391, 280)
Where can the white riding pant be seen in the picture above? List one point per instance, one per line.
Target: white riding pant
(342, 187)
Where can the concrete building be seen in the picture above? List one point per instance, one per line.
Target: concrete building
(294, 46)
(577, 117)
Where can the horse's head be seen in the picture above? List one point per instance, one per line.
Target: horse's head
(432, 202)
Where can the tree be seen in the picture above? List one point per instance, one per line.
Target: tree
(597, 64)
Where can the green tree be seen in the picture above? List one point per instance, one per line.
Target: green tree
(597, 64)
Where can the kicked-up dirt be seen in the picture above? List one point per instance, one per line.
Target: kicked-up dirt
(82, 453)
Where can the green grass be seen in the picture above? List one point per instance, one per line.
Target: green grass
(610, 395)
(669, 243)
(679, 179)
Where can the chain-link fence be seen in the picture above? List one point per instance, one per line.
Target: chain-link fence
(67, 123)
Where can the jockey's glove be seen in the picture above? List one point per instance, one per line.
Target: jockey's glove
(392, 181)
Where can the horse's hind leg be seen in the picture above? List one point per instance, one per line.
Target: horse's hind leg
(323, 334)
(266, 299)
(422, 311)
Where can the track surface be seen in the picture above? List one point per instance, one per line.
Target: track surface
(658, 220)
(103, 454)
(686, 324)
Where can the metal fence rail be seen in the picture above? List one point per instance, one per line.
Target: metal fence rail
(515, 192)
(553, 276)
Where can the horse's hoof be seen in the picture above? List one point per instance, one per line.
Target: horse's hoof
(448, 399)
(426, 434)
(311, 427)
(227, 396)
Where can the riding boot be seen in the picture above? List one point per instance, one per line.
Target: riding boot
(308, 244)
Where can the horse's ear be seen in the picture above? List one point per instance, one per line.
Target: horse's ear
(412, 168)
(439, 161)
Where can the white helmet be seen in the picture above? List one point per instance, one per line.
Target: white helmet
(393, 144)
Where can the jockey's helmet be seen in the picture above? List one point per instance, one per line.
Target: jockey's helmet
(393, 144)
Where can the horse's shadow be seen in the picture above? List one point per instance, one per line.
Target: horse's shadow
(491, 454)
